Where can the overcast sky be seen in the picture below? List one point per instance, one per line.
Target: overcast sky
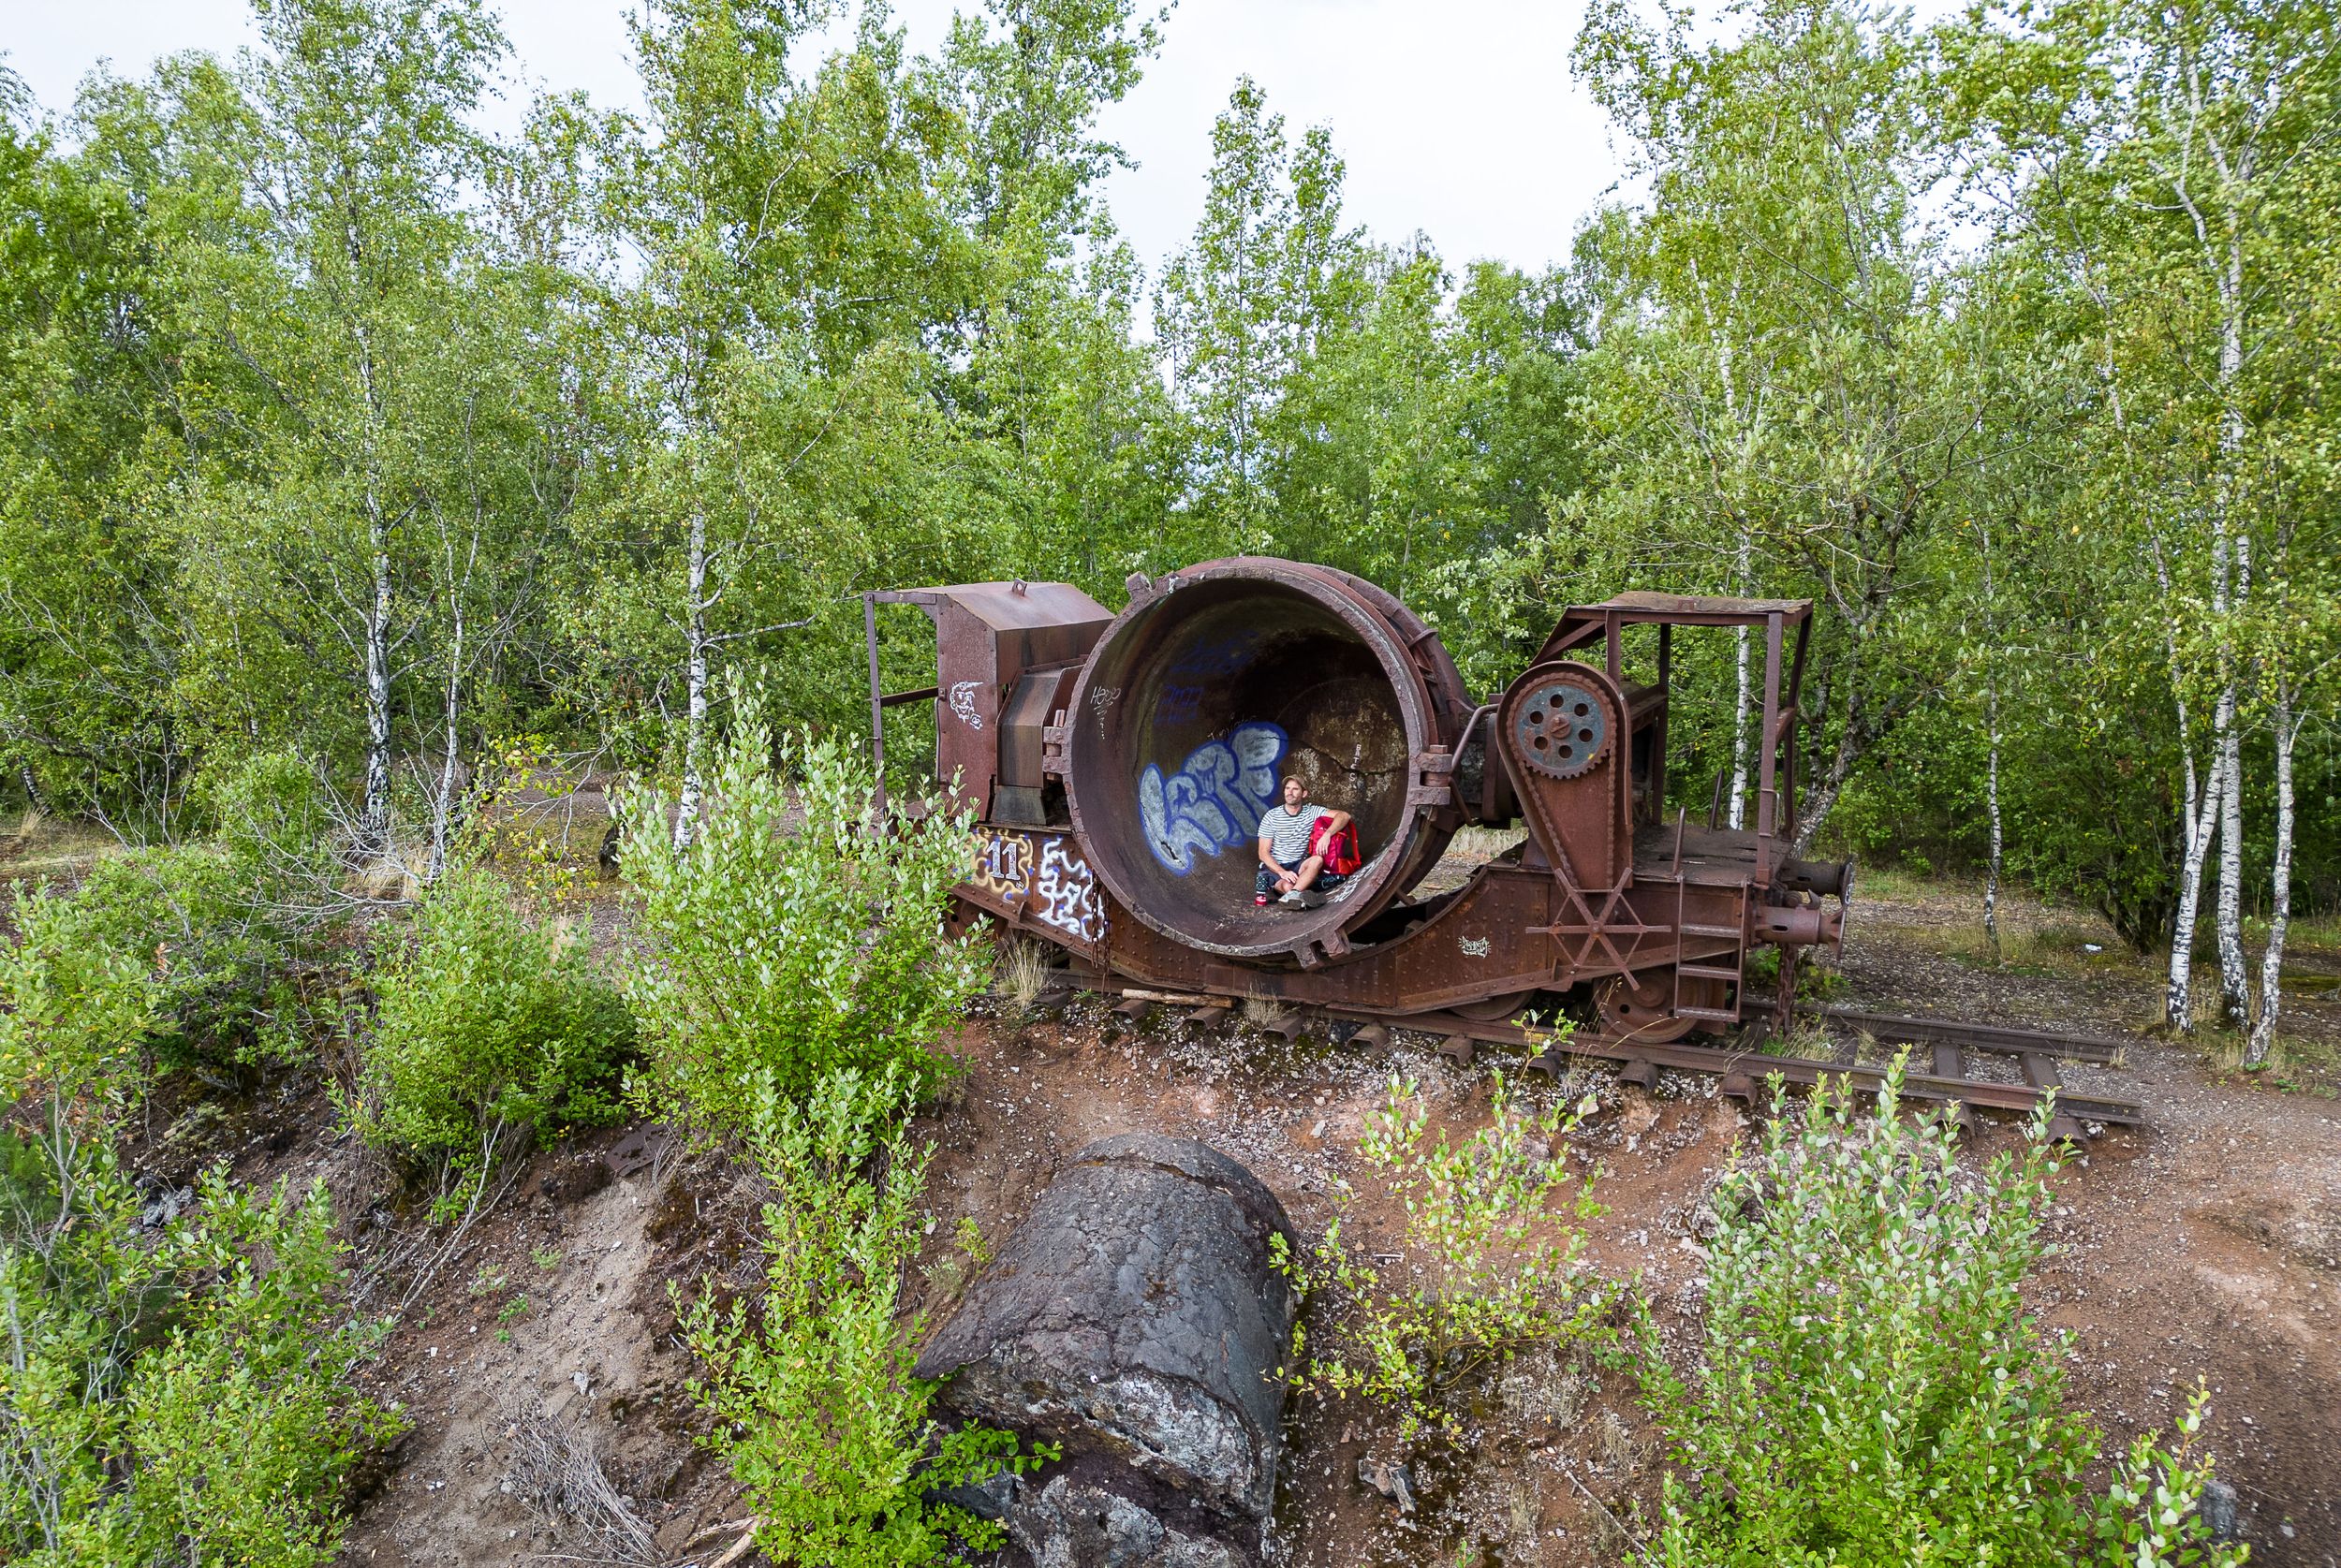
(1458, 118)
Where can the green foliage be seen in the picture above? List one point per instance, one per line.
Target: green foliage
(487, 1021)
(1871, 1390)
(1488, 1277)
(814, 1405)
(177, 955)
(181, 1397)
(797, 933)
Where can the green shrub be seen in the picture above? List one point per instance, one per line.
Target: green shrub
(1872, 1390)
(796, 934)
(487, 1022)
(182, 1398)
(1479, 1220)
(183, 956)
(814, 1402)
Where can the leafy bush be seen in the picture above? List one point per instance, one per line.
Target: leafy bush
(797, 933)
(180, 1400)
(1478, 1214)
(75, 1012)
(487, 1021)
(177, 955)
(1872, 1391)
(814, 1402)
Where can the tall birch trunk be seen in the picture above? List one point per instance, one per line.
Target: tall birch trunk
(1745, 695)
(695, 684)
(375, 818)
(2198, 818)
(2197, 809)
(2264, 1034)
(446, 811)
(374, 823)
(2234, 981)
(1991, 806)
(1991, 753)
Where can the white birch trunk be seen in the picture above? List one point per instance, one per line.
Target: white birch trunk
(695, 684)
(1991, 753)
(2231, 544)
(2264, 1034)
(446, 812)
(2198, 808)
(375, 818)
(374, 823)
(2234, 980)
(2178, 1001)
(1739, 702)
(1991, 806)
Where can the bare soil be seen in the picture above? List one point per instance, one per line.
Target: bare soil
(2204, 1248)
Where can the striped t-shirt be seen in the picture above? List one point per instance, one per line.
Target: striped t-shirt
(1287, 832)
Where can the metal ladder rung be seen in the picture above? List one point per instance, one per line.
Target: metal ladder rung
(1711, 931)
(1706, 972)
(1726, 1014)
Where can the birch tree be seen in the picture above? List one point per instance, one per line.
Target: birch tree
(318, 194)
(1792, 376)
(2172, 157)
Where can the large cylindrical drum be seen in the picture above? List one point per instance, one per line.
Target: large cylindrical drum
(1205, 692)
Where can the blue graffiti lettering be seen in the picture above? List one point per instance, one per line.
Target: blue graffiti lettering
(1214, 800)
(1179, 704)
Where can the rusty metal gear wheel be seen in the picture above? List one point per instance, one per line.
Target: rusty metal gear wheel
(1642, 1007)
(1562, 728)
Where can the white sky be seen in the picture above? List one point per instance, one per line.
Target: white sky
(1458, 118)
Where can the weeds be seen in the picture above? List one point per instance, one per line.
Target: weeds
(1490, 1279)
(1870, 1390)
(814, 1405)
(180, 1397)
(485, 1022)
(789, 940)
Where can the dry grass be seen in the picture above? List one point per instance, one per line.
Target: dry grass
(43, 848)
(1021, 971)
(556, 1469)
(1263, 1012)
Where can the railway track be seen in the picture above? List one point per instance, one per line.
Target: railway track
(1941, 1077)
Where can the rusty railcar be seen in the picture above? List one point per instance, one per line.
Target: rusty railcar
(1119, 764)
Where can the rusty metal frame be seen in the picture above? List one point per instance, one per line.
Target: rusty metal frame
(1603, 893)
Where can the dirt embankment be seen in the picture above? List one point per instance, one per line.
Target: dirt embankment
(539, 1366)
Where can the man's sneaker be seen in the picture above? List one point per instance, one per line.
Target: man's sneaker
(1293, 897)
(1312, 899)
(1262, 898)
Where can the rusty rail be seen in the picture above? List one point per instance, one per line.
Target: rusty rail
(1743, 1071)
(1992, 1039)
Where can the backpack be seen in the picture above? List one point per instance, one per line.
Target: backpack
(1340, 850)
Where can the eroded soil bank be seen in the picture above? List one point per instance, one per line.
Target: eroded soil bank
(547, 1391)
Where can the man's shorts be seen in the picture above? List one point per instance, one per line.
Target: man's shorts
(1264, 883)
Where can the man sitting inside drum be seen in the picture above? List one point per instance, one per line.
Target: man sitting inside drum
(1286, 865)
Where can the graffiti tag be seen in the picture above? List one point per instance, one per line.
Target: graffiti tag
(1179, 704)
(1005, 868)
(1101, 698)
(963, 703)
(1473, 946)
(1056, 875)
(1214, 800)
(1066, 895)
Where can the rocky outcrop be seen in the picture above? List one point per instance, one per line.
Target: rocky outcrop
(1134, 1320)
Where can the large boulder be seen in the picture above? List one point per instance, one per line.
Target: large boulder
(1134, 1320)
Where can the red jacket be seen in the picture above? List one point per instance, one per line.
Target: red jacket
(1340, 850)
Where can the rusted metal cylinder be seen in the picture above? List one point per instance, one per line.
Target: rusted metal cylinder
(1204, 691)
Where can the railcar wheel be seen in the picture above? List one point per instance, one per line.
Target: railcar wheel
(1492, 1010)
(1641, 1006)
